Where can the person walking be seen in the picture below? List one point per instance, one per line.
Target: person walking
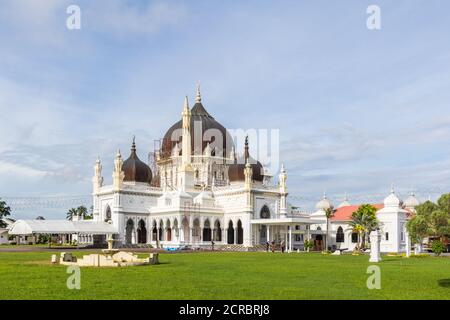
(273, 246)
(267, 246)
(283, 246)
(212, 245)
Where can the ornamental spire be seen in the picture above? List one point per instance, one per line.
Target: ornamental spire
(198, 97)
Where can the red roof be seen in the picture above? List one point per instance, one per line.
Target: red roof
(345, 213)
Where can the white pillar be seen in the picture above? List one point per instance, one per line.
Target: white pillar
(268, 233)
(408, 244)
(290, 238)
(375, 239)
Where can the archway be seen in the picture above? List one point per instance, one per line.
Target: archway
(240, 233)
(129, 231)
(175, 228)
(230, 233)
(196, 231)
(154, 232)
(142, 232)
(168, 231)
(186, 231)
(217, 231)
(206, 231)
(160, 230)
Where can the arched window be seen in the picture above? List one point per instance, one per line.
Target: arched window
(108, 214)
(154, 231)
(354, 237)
(168, 231)
(340, 235)
(265, 212)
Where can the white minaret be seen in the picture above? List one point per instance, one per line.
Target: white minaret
(283, 191)
(118, 174)
(186, 140)
(97, 180)
(248, 173)
(186, 172)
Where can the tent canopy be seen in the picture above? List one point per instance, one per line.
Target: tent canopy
(27, 227)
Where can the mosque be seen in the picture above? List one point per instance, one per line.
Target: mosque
(202, 191)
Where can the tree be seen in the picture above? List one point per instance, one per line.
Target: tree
(430, 220)
(71, 213)
(364, 221)
(82, 212)
(4, 212)
(417, 228)
(329, 213)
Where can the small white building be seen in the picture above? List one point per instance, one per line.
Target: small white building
(392, 216)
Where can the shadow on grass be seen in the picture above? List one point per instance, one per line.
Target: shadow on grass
(445, 283)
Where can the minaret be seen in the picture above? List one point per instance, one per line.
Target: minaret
(283, 191)
(97, 180)
(186, 140)
(118, 174)
(186, 173)
(248, 173)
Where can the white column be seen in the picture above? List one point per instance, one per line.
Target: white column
(408, 244)
(268, 233)
(375, 239)
(290, 238)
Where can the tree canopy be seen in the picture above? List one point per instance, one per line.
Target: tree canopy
(431, 219)
(4, 212)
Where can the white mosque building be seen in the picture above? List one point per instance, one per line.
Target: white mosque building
(206, 192)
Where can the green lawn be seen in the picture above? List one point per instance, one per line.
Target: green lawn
(229, 276)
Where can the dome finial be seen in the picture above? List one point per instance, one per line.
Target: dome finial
(246, 153)
(198, 97)
(133, 145)
(392, 188)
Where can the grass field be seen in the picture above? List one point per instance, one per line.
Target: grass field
(229, 276)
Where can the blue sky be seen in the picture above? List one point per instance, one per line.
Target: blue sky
(357, 109)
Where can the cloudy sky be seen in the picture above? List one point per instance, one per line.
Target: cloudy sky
(357, 109)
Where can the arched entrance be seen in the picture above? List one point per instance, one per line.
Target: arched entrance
(168, 231)
(186, 231)
(217, 231)
(142, 232)
(230, 233)
(206, 231)
(196, 231)
(318, 242)
(240, 233)
(160, 230)
(129, 231)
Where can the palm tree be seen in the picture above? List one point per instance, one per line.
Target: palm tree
(82, 212)
(4, 212)
(71, 213)
(329, 213)
(364, 221)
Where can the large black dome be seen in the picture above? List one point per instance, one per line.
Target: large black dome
(135, 170)
(198, 115)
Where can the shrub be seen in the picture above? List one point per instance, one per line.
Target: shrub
(437, 247)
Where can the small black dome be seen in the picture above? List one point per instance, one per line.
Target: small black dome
(236, 170)
(135, 170)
